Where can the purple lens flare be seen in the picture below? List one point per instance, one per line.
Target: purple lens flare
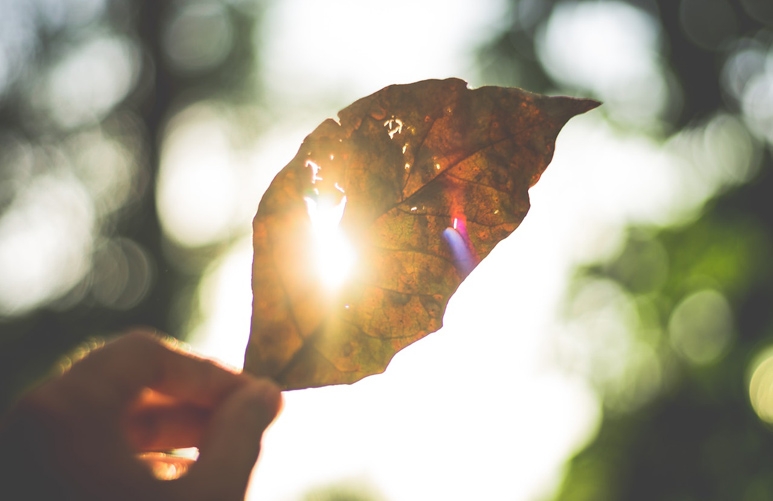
(465, 257)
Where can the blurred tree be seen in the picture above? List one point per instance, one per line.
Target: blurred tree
(680, 426)
(87, 89)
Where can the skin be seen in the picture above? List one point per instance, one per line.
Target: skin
(78, 436)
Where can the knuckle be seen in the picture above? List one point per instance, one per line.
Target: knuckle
(140, 339)
(140, 344)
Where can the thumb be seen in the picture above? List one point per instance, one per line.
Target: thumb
(231, 444)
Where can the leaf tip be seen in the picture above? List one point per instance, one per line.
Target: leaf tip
(590, 104)
(562, 108)
(578, 106)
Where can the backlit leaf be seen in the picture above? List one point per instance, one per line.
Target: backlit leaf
(363, 237)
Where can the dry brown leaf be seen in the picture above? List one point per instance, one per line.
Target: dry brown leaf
(363, 237)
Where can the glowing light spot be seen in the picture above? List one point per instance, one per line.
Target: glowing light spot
(761, 385)
(405, 147)
(338, 187)
(332, 156)
(333, 254)
(314, 171)
(701, 327)
(393, 126)
(437, 166)
(413, 209)
(407, 166)
(166, 466)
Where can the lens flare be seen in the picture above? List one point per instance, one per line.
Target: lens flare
(465, 257)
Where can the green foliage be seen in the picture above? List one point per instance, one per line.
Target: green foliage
(698, 438)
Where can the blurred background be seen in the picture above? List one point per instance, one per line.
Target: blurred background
(619, 345)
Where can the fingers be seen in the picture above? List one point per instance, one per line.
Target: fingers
(138, 360)
(168, 395)
(231, 444)
(135, 394)
(193, 403)
(167, 427)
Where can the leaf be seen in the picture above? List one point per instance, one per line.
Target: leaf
(363, 237)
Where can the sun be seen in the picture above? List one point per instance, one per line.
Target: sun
(333, 255)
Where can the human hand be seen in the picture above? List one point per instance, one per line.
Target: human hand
(77, 436)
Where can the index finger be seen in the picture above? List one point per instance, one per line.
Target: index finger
(139, 360)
